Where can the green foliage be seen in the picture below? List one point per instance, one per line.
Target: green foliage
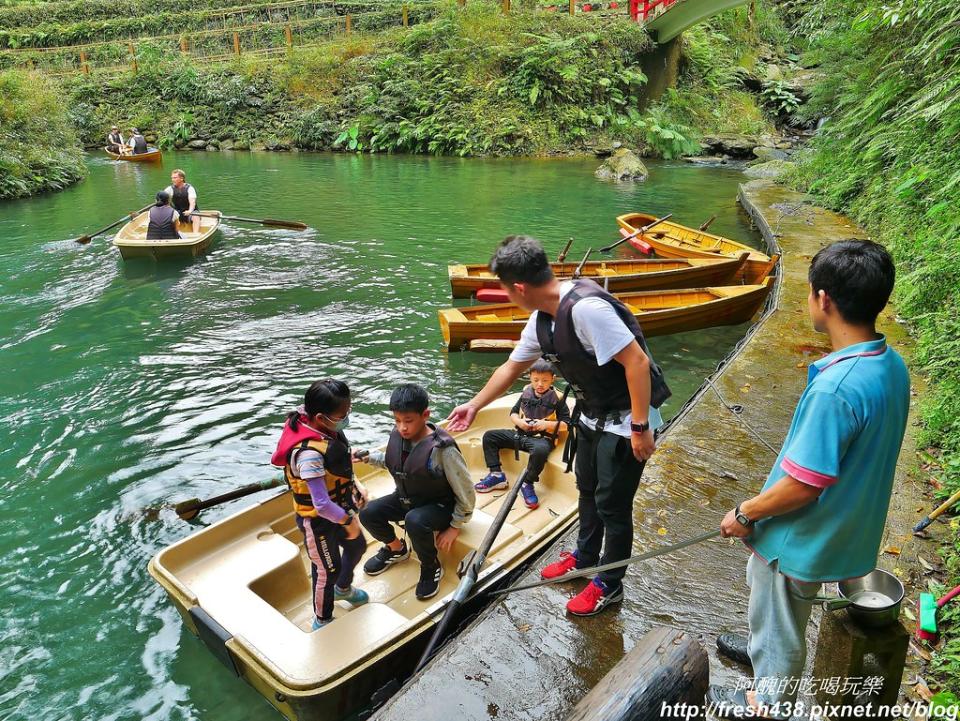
(780, 99)
(889, 155)
(38, 150)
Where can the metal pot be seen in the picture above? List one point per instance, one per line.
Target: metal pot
(872, 600)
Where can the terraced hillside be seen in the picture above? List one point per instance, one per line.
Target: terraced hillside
(92, 35)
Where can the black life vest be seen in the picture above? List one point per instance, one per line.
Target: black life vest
(181, 198)
(139, 144)
(417, 482)
(338, 474)
(543, 408)
(601, 390)
(160, 226)
(115, 139)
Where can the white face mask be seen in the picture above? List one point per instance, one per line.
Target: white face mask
(338, 425)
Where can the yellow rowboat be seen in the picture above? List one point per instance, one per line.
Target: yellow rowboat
(132, 241)
(672, 240)
(151, 156)
(658, 312)
(618, 276)
(243, 586)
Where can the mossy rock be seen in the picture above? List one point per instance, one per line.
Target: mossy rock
(622, 165)
(771, 170)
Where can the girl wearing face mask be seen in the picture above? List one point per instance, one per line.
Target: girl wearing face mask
(315, 455)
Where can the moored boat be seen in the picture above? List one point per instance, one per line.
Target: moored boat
(672, 240)
(243, 586)
(132, 241)
(659, 313)
(151, 156)
(618, 276)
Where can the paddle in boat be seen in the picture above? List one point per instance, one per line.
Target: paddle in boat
(672, 240)
(151, 156)
(243, 586)
(617, 276)
(132, 241)
(486, 327)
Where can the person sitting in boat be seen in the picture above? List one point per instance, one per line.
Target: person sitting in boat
(434, 492)
(316, 460)
(535, 415)
(162, 223)
(115, 143)
(184, 198)
(137, 142)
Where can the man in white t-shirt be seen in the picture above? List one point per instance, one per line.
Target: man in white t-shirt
(598, 347)
(183, 197)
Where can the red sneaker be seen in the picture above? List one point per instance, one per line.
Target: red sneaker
(567, 562)
(594, 598)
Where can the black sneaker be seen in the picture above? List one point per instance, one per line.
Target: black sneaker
(429, 583)
(385, 558)
(734, 647)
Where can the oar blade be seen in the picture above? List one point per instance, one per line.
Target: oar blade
(188, 510)
(291, 224)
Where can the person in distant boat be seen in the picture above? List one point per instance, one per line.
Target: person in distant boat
(162, 224)
(535, 417)
(317, 464)
(184, 198)
(137, 142)
(434, 492)
(115, 142)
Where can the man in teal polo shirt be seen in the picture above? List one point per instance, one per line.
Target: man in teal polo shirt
(821, 513)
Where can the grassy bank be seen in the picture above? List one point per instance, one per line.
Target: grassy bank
(38, 144)
(888, 155)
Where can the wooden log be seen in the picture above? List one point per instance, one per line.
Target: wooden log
(83, 63)
(236, 43)
(506, 7)
(406, 19)
(573, 7)
(288, 34)
(184, 44)
(666, 666)
(349, 23)
(133, 57)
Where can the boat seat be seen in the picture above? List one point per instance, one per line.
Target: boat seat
(365, 625)
(488, 317)
(632, 308)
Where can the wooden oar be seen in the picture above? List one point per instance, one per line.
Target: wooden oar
(474, 561)
(84, 239)
(642, 230)
(563, 253)
(704, 226)
(292, 224)
(585, 572)
(578, 271)
(188, 510)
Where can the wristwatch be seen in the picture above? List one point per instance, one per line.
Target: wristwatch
(351, 514)
(640, 427)
(741, 517)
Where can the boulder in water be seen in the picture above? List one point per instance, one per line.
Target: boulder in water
(623, 164)
(198, 144)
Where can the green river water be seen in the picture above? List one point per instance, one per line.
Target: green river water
(129, 384)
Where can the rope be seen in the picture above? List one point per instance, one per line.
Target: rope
(737, 410)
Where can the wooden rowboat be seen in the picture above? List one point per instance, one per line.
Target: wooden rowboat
(151, 156)
(243, 586)
(659, 313)
(132, 241)
(672, 240)
(618, 276)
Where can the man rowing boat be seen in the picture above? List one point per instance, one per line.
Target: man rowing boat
(184, 198)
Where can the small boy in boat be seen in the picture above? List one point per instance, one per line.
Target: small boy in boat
(318, 467)
(535, 417)
(434, 492)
